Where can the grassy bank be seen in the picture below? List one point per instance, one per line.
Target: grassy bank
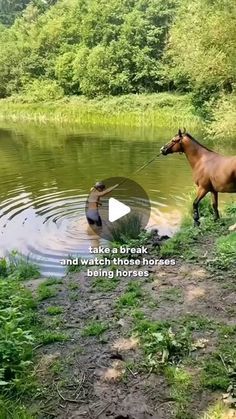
(150, 110)
(162, 344)
(21, 333)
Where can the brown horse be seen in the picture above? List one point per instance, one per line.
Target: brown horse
(211, 171)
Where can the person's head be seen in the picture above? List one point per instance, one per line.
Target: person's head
(99, 186)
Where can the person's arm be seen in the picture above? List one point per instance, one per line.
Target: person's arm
(108, 190)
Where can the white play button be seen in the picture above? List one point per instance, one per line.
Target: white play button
(117, 209)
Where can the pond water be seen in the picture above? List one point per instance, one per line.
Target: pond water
(46, 174)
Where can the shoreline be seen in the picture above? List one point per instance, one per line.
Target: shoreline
(144, 110)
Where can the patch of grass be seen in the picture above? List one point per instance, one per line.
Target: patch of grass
(171, 294)
(181, 244)
(44, 291)
(95, 328)
(74, 265)
(197, 322)
(180, 382)
(230, 209)
(3, 267)
(132, 297)
(225, 252)
(73, 295)
(21, 268)
(46, 338)
(72, 286)
(137, 314)
(218, 411)
(126, 229)
(158, 109)
(161, 344)
(219, 368)
(105, 284)
(214, 375)
(54, 310)
(9, 409)
(17, 317)
(57, 367)
(52, 281)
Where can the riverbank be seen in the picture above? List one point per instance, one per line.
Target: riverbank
(144, 110)
(161, 347)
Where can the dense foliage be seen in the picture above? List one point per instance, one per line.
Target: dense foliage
(94, 47)
(91, 47)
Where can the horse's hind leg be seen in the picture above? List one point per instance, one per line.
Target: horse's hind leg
(200, 194)
(214, 196)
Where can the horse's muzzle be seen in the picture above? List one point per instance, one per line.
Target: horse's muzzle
(163, 151)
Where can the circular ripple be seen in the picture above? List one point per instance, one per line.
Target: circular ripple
(53, 226)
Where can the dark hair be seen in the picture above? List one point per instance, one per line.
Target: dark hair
(99, 185)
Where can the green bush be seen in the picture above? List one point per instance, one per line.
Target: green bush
(16, 339)
(41, 91)
(3, 267)
(223, 118)
(126, 229)
(21, 268)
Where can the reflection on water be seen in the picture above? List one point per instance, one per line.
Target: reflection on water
(46, 174)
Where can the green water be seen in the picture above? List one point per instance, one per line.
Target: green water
(47, 172)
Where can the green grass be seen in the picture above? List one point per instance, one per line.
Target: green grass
(44, 291)
(198, 323)
(19, 329)
(126, 229)
(9, 409)
(161, 109)
(214, 375)
(225, 252)
(104, 284)
(21, 268)
(94, 328)
(180, 382)
(48, 337)
(132, 296)
(72, 286)
(188, 242)
(218, 411)
(73, 268)
(161, 344)
(171, 294)
(54, 310)
(223, 122)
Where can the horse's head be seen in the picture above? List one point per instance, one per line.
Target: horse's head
(175, 145)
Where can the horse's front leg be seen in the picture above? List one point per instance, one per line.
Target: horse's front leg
(214, 196)
(200, 194)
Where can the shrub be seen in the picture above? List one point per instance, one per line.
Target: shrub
(16, 339)
(224, 118)
(20, 268)
(128, 228)
(3, 267)
(42, 91)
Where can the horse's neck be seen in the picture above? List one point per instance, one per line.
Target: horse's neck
(194, 151)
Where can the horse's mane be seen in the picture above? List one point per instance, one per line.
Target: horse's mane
(201, 145)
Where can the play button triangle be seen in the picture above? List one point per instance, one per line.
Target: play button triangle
(117, 209)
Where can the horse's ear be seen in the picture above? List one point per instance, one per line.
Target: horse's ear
(184, 131)
(180, 133)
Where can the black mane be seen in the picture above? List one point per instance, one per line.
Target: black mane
(191, 137)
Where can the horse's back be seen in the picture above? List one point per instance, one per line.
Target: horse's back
(222, 173)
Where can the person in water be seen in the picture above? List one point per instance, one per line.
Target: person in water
(99, 190)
